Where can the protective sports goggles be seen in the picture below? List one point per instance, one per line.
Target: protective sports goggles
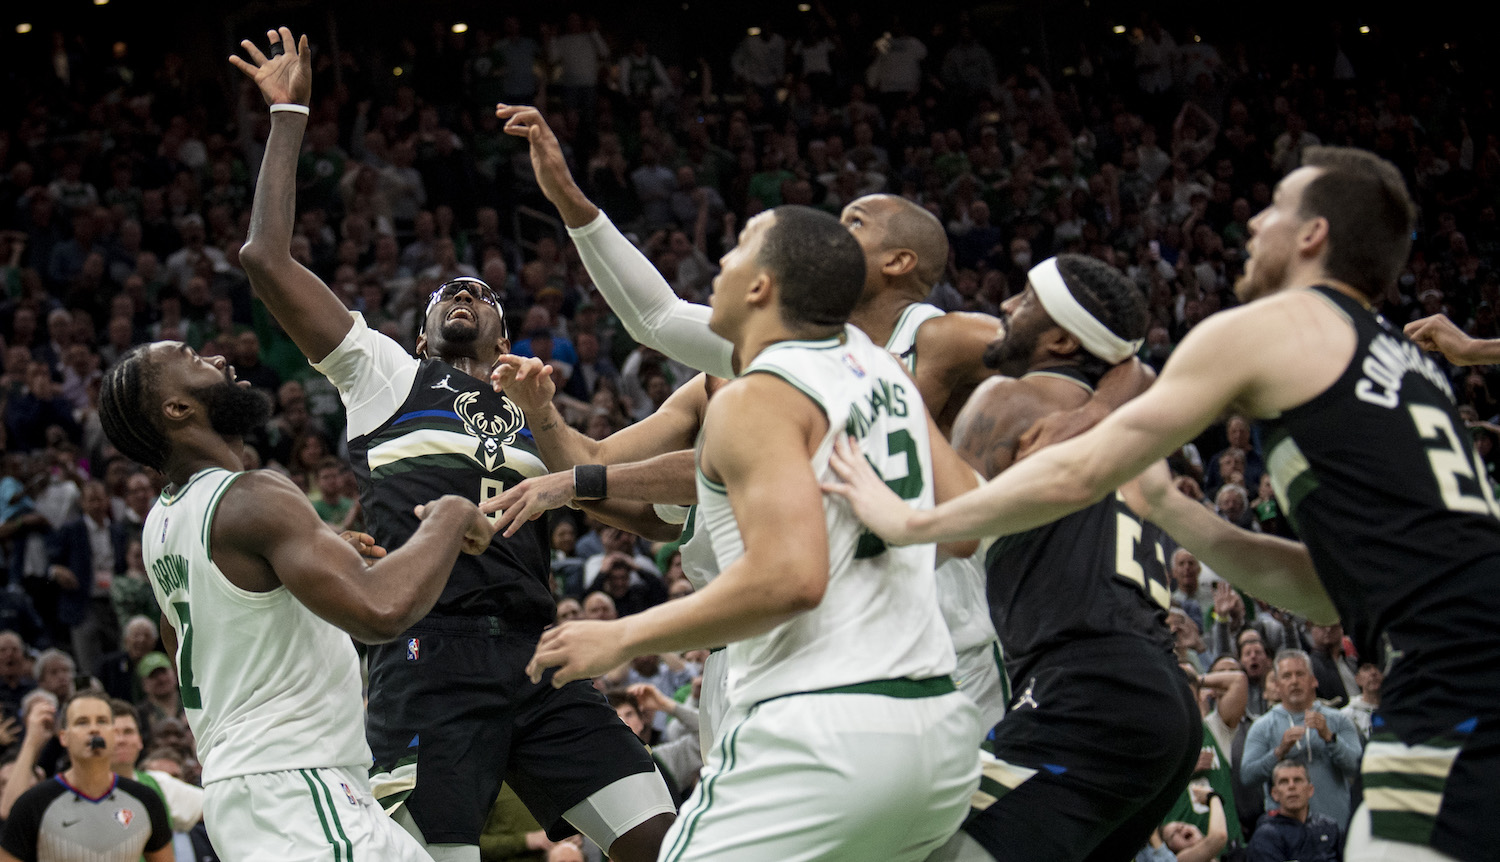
(476, 288)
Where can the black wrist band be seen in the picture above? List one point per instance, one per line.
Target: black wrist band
(589, 482)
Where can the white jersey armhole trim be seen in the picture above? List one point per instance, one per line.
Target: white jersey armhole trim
(217, 577)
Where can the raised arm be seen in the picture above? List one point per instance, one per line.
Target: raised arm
(528, 382)
(304, 306)
(651, 312)
(266, 524)
(1196, 387)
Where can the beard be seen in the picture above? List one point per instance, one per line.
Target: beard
(1261, 277)
(1011, 353)
(233, 410)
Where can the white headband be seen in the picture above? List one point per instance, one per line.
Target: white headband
(1065, 311)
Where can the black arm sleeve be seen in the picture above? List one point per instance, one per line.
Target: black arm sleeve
(161, 824)
(20, 836)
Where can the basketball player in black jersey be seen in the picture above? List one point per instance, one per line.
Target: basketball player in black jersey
(451, 711)
(1102, 733)
(1365, 452)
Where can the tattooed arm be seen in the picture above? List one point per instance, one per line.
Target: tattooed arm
(988, 430)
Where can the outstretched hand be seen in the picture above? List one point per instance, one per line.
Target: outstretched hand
(873, 501)
(547, 160)
(529, 500)
(525, 380)
(282, 79)
(580, 649)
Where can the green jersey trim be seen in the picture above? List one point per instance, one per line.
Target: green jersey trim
(211, 511)
(791, 379)
(167, 497)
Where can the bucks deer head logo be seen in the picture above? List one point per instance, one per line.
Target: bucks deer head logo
(494, 429)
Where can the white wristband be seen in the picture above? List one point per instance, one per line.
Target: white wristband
(290, 108)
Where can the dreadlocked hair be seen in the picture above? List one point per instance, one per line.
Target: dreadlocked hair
(127, 388)
(1110, 297)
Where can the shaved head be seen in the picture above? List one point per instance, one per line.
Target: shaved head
(900, 224)
(911, 226)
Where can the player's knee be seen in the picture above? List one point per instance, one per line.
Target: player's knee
(643, 842)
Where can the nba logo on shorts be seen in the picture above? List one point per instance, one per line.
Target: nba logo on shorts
(349, 794)
(413, 647)
(124, 816)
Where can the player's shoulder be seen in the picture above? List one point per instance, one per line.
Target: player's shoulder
(958, 329)
(257, 497)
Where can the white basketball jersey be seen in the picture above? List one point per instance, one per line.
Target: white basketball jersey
(961, 591)
(879, 616)
(267, 685)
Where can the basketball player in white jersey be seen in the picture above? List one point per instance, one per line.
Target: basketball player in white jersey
(905, 252)
(259, 598)
(845, 738)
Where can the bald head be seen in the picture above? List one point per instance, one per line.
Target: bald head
(900, 224)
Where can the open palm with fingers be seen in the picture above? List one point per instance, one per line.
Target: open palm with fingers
(282, 78)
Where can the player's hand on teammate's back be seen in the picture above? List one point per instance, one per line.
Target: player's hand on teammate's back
(282, 78)
(478, 534)
(873, 502)
(525, 380)
(529, 500)
(581, 649)
(365, 544)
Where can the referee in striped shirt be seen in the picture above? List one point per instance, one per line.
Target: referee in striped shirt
(87, 813)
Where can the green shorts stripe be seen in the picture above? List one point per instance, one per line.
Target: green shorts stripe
(727, 754)
(337, 823)
(312, 787)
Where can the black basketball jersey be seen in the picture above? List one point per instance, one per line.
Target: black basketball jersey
(1378, 476)
(455, 435)
(1099, 572)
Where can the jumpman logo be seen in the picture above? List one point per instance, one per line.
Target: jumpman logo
(444, 384)
(1026, 699)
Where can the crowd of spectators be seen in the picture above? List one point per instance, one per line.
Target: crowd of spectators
(124, 202)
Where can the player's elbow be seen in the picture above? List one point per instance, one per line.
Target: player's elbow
(803, 587)
(381, 623)
(259, 258)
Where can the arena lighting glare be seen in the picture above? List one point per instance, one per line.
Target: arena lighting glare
(23, 28)
(1365, 29)
(804, 7)
(460, 27)
(753, 31)
(101, 2)
(1119, 29)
